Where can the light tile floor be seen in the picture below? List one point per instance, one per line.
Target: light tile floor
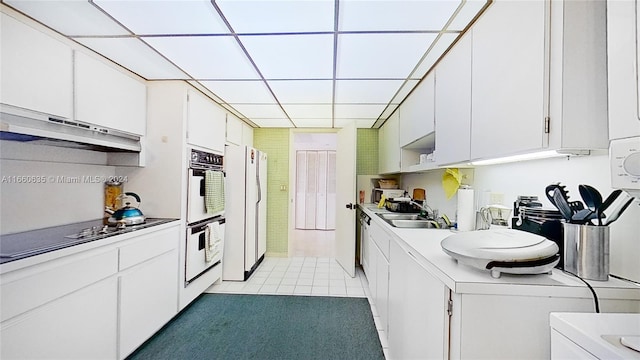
(311, 276)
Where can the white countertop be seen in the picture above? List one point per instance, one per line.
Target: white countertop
(461, 278)
(599, 334)
(51, 255)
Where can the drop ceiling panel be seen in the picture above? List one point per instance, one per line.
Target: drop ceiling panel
(283, 123)
(303, 91)
(310, 111)
(260, 111)
(248, 92)
(358, 111)
(291, 56)
(278, 16)
(206, 57)
(366, 91)
(380, 55)
(134, 55)
(384, 47)
(69, 17)
(393, 15)
(313, 123)
(166, 16)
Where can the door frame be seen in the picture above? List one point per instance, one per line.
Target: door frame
(291, 220)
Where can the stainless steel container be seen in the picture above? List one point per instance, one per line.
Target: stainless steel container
(586, 251)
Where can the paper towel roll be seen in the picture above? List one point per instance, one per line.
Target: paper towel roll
(466, 213)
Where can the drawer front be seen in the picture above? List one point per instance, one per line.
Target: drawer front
(28, 288)
(148, 246)
(381, 238)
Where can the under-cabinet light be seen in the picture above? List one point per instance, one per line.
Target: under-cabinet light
(528, 156)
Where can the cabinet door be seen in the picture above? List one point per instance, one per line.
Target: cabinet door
(508, 78)
(81, 325)
(623, 63)
(417, 112)
(453, 104)
(206, 122)
(37, 70)
(106, 97)
(382, 289)
(417, 309)
(389, 145)
(234, 130)
(148, 300)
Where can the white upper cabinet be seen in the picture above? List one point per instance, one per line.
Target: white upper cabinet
(508, 87)
(37, 70)
(107, 97)
(538, 78)
(453, 104)
(417, 112)
(206, 122)
(388, 145)
(234, 130)
(623, 62)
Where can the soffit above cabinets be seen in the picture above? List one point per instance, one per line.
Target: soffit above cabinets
(306, 63)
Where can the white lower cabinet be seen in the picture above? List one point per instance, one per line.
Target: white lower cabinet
(378, 275)
(418, 316)
(81, 325)
(100, 303)
(148, 300)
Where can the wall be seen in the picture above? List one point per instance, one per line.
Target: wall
(275, 142)
(63, 186)
(367, 152)
(531, 178)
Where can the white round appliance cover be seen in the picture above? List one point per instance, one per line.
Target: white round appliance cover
(479, 248)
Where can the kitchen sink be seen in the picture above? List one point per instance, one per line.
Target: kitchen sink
(409, 221)
(416, 224)
(387, 216)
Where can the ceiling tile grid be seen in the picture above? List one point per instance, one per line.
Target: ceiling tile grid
(273, 63)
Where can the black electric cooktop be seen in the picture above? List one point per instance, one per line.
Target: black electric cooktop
(35, 242)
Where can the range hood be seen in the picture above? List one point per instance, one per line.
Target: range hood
(17, 124)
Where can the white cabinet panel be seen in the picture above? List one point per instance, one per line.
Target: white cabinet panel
(453, 104)
(148, 300)
(418, 318)
(27, 289)
(81, 325)
(37, 70)
(508, 70)
(234, 130)
(417, 112)
(106, 97)
(206, 122)
(389, 145)
(542, 84)
(623, 63)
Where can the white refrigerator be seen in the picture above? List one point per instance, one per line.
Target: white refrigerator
(245, 211)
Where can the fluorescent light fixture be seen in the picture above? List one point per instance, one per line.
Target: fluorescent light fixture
(524, 157)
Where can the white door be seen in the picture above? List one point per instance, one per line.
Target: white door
(345, 243)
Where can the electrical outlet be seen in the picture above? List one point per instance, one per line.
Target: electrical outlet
(496, 199)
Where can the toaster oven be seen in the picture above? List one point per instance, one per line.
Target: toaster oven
(376, 194)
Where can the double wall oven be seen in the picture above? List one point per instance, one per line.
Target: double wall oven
(205, 229)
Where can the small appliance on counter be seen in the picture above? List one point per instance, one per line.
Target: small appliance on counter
(503, 251)
(529, 216)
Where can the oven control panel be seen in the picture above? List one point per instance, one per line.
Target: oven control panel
(624, 157)
(205, 159)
